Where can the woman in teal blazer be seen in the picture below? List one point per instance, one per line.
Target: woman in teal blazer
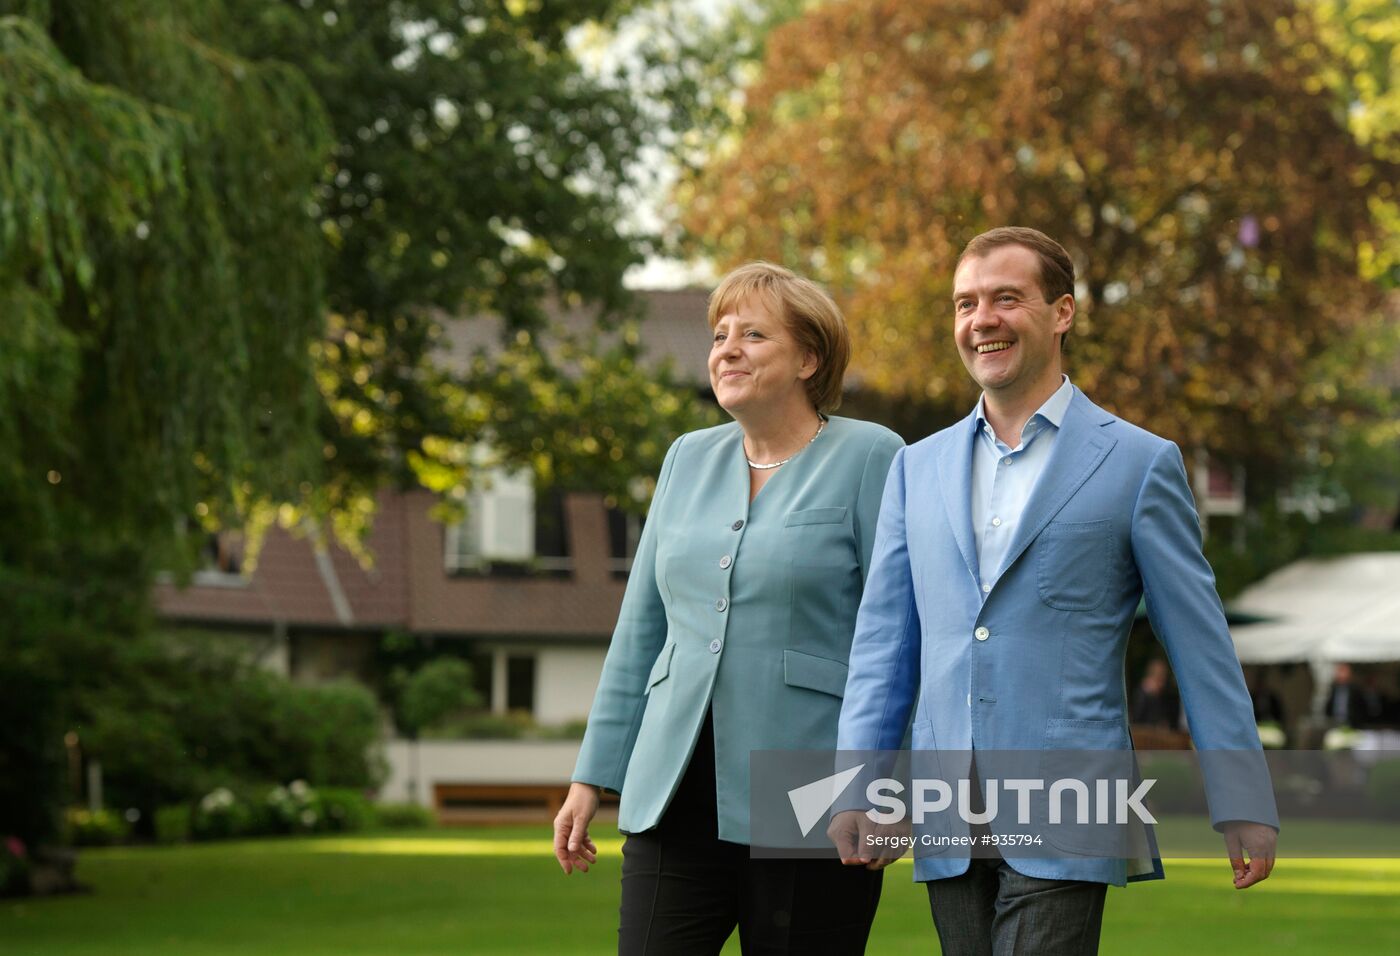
(733, 637)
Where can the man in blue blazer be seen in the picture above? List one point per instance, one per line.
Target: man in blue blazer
(1010, 557)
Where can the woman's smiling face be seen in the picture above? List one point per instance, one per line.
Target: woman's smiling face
(755, 359)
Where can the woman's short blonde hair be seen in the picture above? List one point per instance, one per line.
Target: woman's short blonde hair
(808, 311)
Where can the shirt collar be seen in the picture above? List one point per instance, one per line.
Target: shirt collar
(1053, 411)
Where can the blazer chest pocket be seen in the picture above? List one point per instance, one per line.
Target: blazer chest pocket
(1074, 564)
(815, 516)
(818, 537)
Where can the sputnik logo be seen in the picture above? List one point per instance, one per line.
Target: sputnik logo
(810, 802)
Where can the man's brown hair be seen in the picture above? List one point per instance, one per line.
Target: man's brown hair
(1056, 267)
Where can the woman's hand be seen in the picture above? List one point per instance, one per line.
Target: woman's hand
(572, 845)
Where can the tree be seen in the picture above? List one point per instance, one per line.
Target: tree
(437, 689)
(477, 169)
(1362, 40)
(161, 285)
(228, 232)
(1182, 151)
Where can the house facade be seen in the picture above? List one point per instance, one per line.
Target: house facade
(527, 586)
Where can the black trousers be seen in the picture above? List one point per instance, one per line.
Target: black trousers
(684, 890)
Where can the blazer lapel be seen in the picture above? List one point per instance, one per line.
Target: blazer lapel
(955, 481)
(1080, 448)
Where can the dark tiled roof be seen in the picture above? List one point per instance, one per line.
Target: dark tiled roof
(673, 327)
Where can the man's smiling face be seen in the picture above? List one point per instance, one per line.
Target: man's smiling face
(1007, 334)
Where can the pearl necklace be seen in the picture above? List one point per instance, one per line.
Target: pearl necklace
(753, 464)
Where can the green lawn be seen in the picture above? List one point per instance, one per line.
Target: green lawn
(499, 891)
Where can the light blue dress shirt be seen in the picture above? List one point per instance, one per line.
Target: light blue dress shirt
(1004, 477)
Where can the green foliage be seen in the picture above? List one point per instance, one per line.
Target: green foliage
(243, 810)
(160, 279)
(173, 823)
(402, 816)
(179, 209)
(435, 690)
(462, 147)
(1360, 40)
(478, 168)
(97, 828)
(222, 815)
(481, 725)
(156, 229)
(515, 725)
(178, 717)
(14, 867)
(295, 808)
(583, 416)
(344, 810)
(570, 730)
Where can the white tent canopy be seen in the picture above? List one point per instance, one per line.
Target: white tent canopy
(1323, 610)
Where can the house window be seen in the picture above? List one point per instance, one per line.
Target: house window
(624, 533)
(510, 530)
(221, 560)
(482, 663)
(520, 683)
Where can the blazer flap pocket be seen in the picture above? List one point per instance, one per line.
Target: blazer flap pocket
(662, 667)
(815, 516)
(1108, 734)
(814, 673)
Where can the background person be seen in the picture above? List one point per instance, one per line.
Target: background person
(1155, 704)
(733, 637)
(1353, 704)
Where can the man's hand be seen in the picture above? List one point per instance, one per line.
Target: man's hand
(573, 848)
(862, 842)
(1258, 841)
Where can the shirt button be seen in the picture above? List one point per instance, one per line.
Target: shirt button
(986, 589)
(996, 522)
(738, 524)
(1006, 461)
(981, 633)
(721, 604)
(725, 561)
(715, 645)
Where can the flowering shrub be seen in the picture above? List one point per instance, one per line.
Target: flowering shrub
(99, 828)
(255, 811)
(14, 866)
(344, 810)
(293, 808)
(220, 815)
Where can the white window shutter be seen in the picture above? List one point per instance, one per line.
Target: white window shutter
(508, 517)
